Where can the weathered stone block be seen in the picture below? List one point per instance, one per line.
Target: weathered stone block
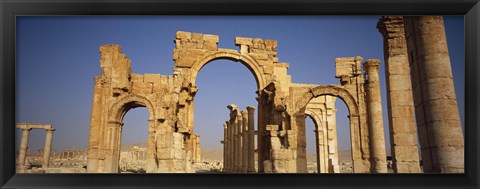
(210, 38)
(279, 154)
(402, 125)
(405, 139)
(183, 35)
(271, 43)
(243, 41)
(438, 88)
(259, 56)
(407, 167)
(197, 37)
(406, 153)
(398, 98)
(151, 78)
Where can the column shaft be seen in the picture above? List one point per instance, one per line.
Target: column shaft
(251, 139)
(47, 148)
(225, 142)
(403, 134)
(439, 125)
(23, 148)
(231, 147)
(244, 141)
(239, 143)
(378, 157)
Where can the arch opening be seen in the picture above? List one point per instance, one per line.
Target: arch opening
(250, 63)
(330, 157)
(232, 84)
(133, 141)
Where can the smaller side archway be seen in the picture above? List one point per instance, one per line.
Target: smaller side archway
(113, 132)
(353, 111)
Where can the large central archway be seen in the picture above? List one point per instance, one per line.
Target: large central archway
(194, 50)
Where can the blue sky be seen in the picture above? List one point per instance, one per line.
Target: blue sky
(57, 58)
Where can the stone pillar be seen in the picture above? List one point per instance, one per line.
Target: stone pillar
(231, 146)
(225, 143)
(239, 143)
(251, 139)
(403, 134)
(439, 125)
(244, 140)
(378, 155)
(320, 148)
(48, 147)
(23, 148)
(235, 145)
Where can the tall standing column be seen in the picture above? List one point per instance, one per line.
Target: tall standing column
(403, 134)
(48, 147)
(235, 144)
(225, 143)
(231, 146)
(23, 147)
(244, 141)
(239, 142)
(440, 128)
(251, 139)
(378, 157)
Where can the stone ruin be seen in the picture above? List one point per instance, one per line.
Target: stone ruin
(21, 166)
(419, 86)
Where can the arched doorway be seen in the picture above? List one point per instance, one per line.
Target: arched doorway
(353, 113)
(133, 143)
(322, 112)
(113, 132)
(220, 83)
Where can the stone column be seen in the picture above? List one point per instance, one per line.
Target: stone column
(225, 143)
(239, 143)
(244, 141)
(48, 147)
(23, 147)
(439, 125)
(403, 134)
(378, 155)
(231, 146)
(235, 145)
(320, 148)
(251, 139)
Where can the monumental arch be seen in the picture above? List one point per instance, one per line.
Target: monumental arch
(283, 105)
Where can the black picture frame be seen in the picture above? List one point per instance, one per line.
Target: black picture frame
(10, 9)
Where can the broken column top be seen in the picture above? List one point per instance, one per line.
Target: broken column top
(348, 66)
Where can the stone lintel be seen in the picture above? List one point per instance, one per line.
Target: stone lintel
(33, 126)
(243, 41)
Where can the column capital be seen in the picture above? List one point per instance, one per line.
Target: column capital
(387, 25)
(250, 108)
(50, 129)
(26, 129)
(244, 113)
(225, 125)
(371, 65)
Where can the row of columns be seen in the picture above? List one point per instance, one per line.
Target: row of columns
(238, 141)
(26, 128)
